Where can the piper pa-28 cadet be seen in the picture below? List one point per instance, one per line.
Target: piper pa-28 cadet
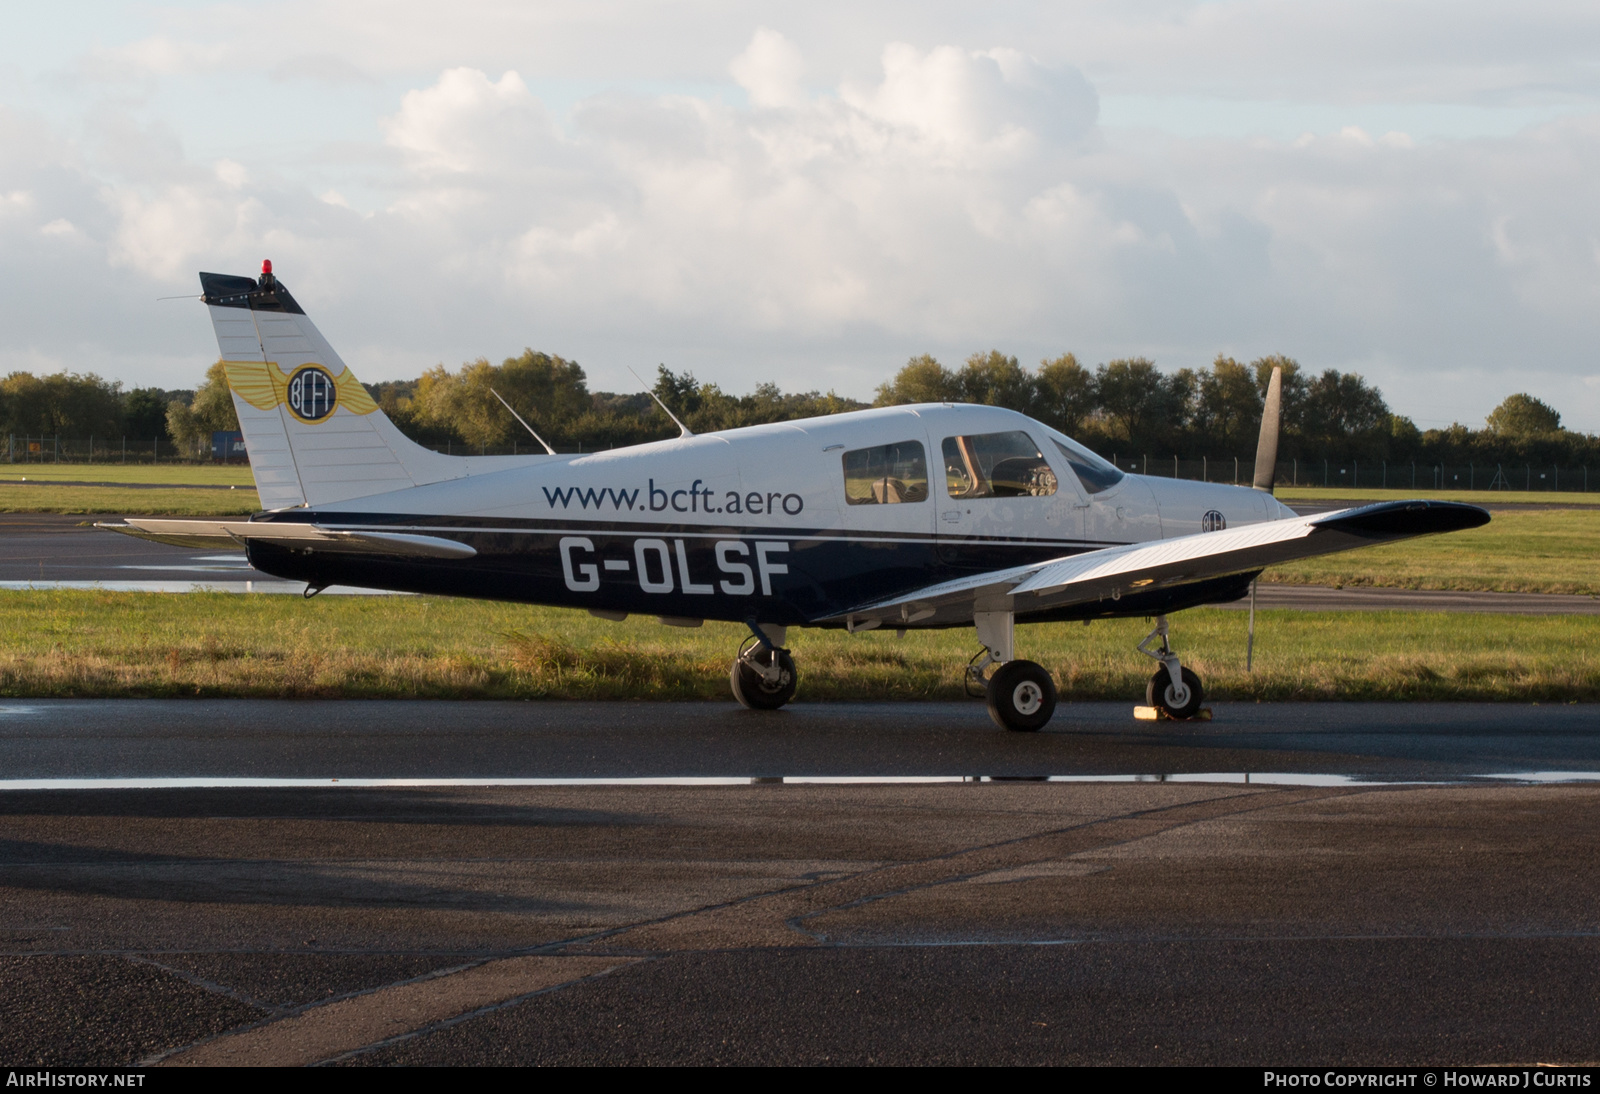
(933, 515)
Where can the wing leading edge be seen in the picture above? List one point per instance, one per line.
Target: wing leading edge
(1111, 573)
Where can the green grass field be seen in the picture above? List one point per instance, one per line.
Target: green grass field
(186, 490)
(1537, 551)
(90, 643)
(124, 501)
(158, 474)
(1292, 494)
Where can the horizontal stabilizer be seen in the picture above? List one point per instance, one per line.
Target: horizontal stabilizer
(235, 534)
(1113, 572)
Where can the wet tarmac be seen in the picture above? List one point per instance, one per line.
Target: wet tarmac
(853, 883)
(210, 739)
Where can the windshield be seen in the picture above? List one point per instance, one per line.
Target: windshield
(996, 465)
(1094, 472)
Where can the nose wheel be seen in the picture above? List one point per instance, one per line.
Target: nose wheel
(1174, 690)
(1175, 701)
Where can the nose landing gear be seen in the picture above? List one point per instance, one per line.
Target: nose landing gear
(1174, 690)
(763, 675)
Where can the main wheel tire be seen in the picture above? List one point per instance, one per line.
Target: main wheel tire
(753, 690)
(1022, 696)
(1178, 704)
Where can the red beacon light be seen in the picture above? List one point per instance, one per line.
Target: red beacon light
(266, 272)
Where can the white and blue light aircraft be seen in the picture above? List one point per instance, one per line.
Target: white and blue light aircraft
(910, 516)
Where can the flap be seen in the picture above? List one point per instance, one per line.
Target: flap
(234, 534)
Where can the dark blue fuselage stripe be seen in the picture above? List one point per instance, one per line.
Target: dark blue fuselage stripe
(787, 580)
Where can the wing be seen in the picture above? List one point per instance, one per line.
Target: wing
(233, 534)
(1110, 573)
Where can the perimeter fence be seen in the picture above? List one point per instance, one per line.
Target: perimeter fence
(1330, 474)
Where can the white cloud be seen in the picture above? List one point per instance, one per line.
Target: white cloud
(465, 123)
(949, 191)
(232, 174)
(771, 70)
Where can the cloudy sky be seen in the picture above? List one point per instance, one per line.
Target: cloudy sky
(810, 193)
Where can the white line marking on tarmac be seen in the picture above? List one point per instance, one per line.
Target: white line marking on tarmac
(1255, 778)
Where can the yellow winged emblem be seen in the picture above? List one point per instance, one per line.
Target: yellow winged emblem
(265, 386)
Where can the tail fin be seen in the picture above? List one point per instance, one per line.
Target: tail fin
(313, 433)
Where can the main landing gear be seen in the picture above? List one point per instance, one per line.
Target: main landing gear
(763, 675)
(1173, 690)
(1021, 695)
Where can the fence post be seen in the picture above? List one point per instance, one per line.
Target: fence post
(1324, 472)
(1386, 474)
(1527, 482)
(1472, 476)
(1205, 476)
(1355, 473)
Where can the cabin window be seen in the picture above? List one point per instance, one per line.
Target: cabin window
(1095, 473)
(996, 465)
(888, 474)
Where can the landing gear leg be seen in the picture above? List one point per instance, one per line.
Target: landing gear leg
(1021, 695)
(763, 675)
(1174, 689)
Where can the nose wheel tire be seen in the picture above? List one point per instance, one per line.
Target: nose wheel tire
(1022, 696)
(753, 689)
(1177, 702)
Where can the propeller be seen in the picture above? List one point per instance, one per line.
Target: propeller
(1267, 446)
(1266, 472)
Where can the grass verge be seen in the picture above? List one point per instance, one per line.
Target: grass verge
(1291, 494)
(152, 474)
(1538, 551)
(127, 501)
(80, 644)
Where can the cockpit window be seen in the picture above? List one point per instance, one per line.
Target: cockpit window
(996, 465)
(1095, 473)
(888, 474)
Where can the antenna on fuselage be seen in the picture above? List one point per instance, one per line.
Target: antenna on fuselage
(525, 425)
(685, 429)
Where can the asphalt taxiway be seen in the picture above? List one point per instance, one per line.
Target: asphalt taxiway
(387, 883)
(43, 741)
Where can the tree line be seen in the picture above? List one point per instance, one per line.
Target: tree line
(68, 404)
(1126, 406)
